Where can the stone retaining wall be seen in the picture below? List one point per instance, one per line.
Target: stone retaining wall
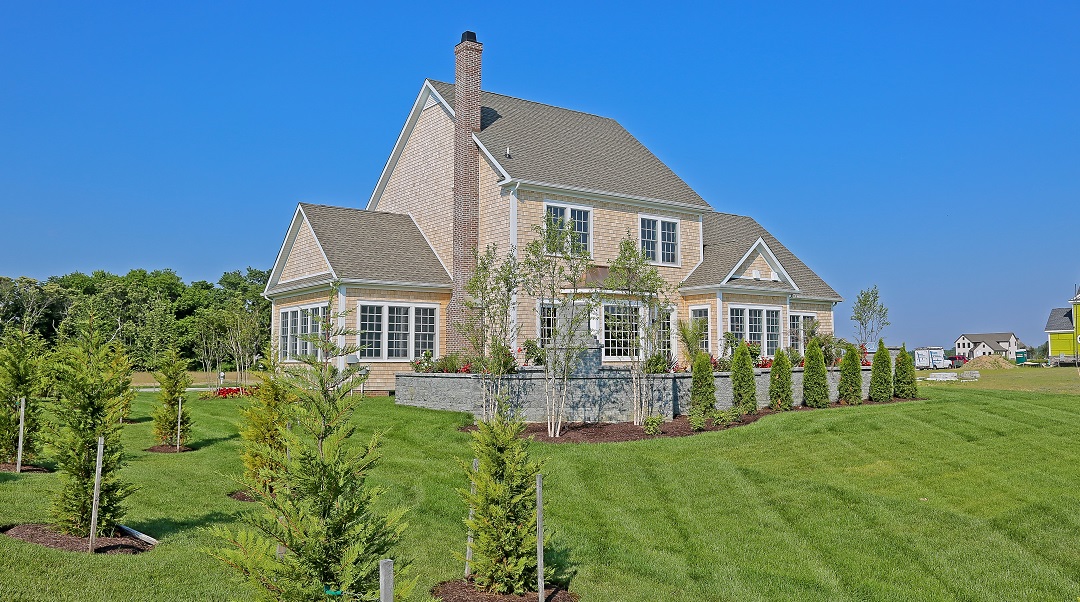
(603, 396)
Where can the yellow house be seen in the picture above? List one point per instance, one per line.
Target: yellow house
(1062, 331)
(473, 168)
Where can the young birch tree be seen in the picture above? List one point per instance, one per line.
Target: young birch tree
(639, 298)
(554, 266)
(870, 316)
(489, 327)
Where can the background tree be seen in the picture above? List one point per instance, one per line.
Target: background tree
(174, 382)
(504, 507)
(850, 390)
(780, 385)
(554, 267)
(870, 316)
(815, 379)
(881, 378)
(21, 357)
(904, 385)
(635, 287)
(743, 388)
(92, 377)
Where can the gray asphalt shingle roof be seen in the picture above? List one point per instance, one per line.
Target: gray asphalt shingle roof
(1061, 318)
(570, 148)
(728, 237)
(374, 245)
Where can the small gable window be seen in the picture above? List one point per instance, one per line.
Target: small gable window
(660, 239)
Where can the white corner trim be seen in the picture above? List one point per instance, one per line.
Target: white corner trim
(318, 243)
(426, 240)
(760, 243)
(513, 220)
(498, 166)
(426, 91)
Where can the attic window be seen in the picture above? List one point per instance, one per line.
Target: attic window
(774, 277)
(756, 274)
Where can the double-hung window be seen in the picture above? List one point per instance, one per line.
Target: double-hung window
(660, 239)
(578, 219)
(547, 317)
(396, 331)
(798, 325)
(662, 323)
(298, 330)
(757, 325)
(621, 331)
(699, 316)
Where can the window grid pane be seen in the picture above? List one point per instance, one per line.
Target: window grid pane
(371, 330)
(305, 323)
(547, 324)
(425, 330)
(772, 331)
(580, 218)
(669, 240)
(754, 331)
(283, 339)
(648, 238)
(737, 323)
(663, 334)
(620, 331)
(397, 332)
(294, 319)
(795, 332)
(702, 316)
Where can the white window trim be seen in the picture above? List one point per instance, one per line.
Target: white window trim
(708, 318)
(382, 359)
(660, 239)
(764, 324)
(802, 315)
(568, 207)
(302, 308)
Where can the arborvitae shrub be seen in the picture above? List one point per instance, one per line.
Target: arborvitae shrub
(742, 381)
(780, 393)
(21, 355)
(904, 380)
(92, 376)
(881, 374)
(504, 505)
(174, 381)
(702, 390)
(815, 379)
(850, 392)
(263, 430)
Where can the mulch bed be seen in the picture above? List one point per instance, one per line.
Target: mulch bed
(614, 432)
(461, 590)
(5, 467)
(168, 449)
(45, 536)
(242, 496)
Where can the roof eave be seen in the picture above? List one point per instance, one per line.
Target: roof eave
(603, 195)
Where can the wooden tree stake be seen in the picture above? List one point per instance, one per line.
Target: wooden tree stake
(97, 492)
(540, 536)
(179, 415)
(472, 512)
(22, 429)
(386, 580)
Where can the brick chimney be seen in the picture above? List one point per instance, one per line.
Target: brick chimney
(466, 177)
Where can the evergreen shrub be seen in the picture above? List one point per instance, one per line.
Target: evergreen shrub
(904, 383)
(881, 377)
(174, 381)
(780, 386)
(702, 390)
(742, 381)
(850, 390)
(815, 379)
(21, 357)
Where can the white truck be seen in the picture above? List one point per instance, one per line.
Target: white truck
(931, 358)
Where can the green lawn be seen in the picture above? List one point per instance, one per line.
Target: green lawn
(966, 496)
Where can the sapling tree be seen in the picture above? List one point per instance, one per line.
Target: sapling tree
(870, 316)
(904, 385)
(639, 298)
(21, 357)
(173, 380)
(850, 389)
(503, 500)
(881, 378)
(815, 378)
(489, 327)
(780, 385)
(743, 388)
(92, 377)
(265, 421)
(318, 533)
(553, 269)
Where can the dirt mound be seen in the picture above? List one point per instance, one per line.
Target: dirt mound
(989, 362)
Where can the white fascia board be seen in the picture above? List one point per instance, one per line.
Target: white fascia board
(602, 195)
(427, 90)
(318, 243)
(283, 252)
(771, 258)
(314, 286)
(498, 166)
(1059, 331)
(422, 233)
(395, 284)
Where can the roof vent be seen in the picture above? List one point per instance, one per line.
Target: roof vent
(774, 277)
(468, 36)
(508, 152)
(757, 274)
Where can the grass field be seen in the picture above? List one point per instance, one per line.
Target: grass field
(969, 495)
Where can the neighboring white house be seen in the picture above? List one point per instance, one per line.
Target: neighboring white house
(987, 343)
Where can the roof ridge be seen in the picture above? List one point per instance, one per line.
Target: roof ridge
(543, 104)
(373, 211)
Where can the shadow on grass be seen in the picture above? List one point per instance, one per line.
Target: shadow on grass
(162, 527)
(208, 442)
(139, 420)
(559, 569)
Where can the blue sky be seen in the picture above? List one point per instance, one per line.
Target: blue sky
(932, 149)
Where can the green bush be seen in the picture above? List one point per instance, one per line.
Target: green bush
(657, 363)
(726, 417)
(850, 392)
(21, 358)
(904, 383)
(449, 363)
(881, 375)
(697, 421)
(504, 507)
(652, 424)
(702, 387)
(424, 363)
(502, 360)
(815, 379)
(795, 359)
(780, 393)
(721, 364)
(174, 381)
(263, 429)
(742, 381)
(534, 353)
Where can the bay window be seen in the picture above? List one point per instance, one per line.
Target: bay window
(298, 330)
(396, 331)
(756, 325)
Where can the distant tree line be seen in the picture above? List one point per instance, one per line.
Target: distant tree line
(218, 326)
